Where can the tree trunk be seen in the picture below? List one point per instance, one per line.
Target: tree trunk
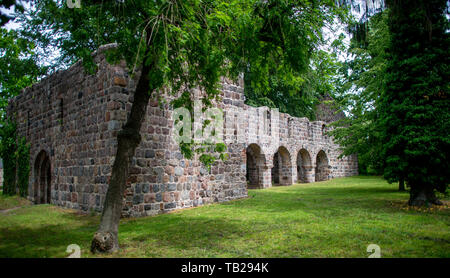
(106, 238)
(401, 185)
(422, 196)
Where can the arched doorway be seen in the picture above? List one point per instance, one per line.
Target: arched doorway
(322, 167)
(256, 163)
(282, 167)
(42, 179)
(304, 166)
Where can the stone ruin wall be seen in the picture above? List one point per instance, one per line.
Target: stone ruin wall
(72, 119)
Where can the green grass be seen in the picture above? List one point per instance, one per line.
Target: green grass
(9, 202)
(337, 218)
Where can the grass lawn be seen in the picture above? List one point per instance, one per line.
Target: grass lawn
(11, 202)
(337, 218)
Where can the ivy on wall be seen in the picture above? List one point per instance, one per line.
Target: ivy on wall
(15, 153)
(23, 166)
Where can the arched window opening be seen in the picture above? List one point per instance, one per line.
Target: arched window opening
(322, 167)
(304, 166)
(255, 167)
(282, 167)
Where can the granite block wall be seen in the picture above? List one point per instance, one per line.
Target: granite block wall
(72, 118)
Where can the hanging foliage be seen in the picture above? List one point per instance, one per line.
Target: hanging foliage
(15, 153)
(7, 152)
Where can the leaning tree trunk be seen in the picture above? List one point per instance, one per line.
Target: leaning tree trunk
(106, 238)
(421, 195)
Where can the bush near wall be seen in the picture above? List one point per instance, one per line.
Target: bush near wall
(16, 160)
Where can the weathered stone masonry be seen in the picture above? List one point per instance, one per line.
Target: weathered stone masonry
(72, 119)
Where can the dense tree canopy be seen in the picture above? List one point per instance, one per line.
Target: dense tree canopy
(400, 112)
(414, 109)
(5, 15)
(364, 77)
(300, 100)
(18, 66)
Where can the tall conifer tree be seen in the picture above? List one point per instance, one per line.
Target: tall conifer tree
(414, 107)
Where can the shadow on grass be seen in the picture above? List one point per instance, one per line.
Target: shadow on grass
(184, 233)
(232, 235)
(47, 235)
(236, 228)
(45, 240)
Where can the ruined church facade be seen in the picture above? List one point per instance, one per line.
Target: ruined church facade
(71, 120)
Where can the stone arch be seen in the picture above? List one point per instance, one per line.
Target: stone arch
(282, 167)
(42, 178)
(322, 170)
(257, 170)
(304, 166)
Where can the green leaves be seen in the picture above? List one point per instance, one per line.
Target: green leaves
(15, 153)
(192, 44)
(399, 120)
(365, 75)
(18, 66)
